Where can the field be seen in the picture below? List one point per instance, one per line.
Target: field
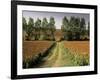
(81, 47)
(38, 54)
(32, 48)
(78, 52)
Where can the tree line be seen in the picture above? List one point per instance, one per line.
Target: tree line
(39, 29)
(72, 29)
(75, 28)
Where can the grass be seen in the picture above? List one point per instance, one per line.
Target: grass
(51, 58)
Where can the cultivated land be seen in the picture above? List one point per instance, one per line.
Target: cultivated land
(81, 47)
(32, 48)
(63, 53)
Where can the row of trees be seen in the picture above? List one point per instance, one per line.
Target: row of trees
(39, 29)
(74, 28)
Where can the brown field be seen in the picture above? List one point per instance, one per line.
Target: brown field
(32, 48)
(78, 46)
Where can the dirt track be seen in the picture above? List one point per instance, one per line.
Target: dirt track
(56, 58)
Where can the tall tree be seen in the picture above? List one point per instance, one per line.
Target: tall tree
(73, 29)
(88, 29)
(24, 28)
(65, 27)
(38, 28)
(52, 26)
(44, 27)
(30, 28)
(83, 26)
(65, 24)
(77, 28)
(24, 24)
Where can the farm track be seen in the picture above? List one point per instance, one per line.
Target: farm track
(56, 57)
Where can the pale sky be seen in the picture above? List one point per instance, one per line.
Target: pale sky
(58, 16)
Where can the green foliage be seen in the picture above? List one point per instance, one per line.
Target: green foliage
(37, 28)
(65, 24)
(81, 60)
(30, 28)
(24, 24)
(52, 27)
(42, 37)
(24, 28)
(44, 24)
(74, 28)
(88, 29)
(38, 24)
(83, 26)
(44, 28)
(52, 24)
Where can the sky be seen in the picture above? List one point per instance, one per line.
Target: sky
(57, 15)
